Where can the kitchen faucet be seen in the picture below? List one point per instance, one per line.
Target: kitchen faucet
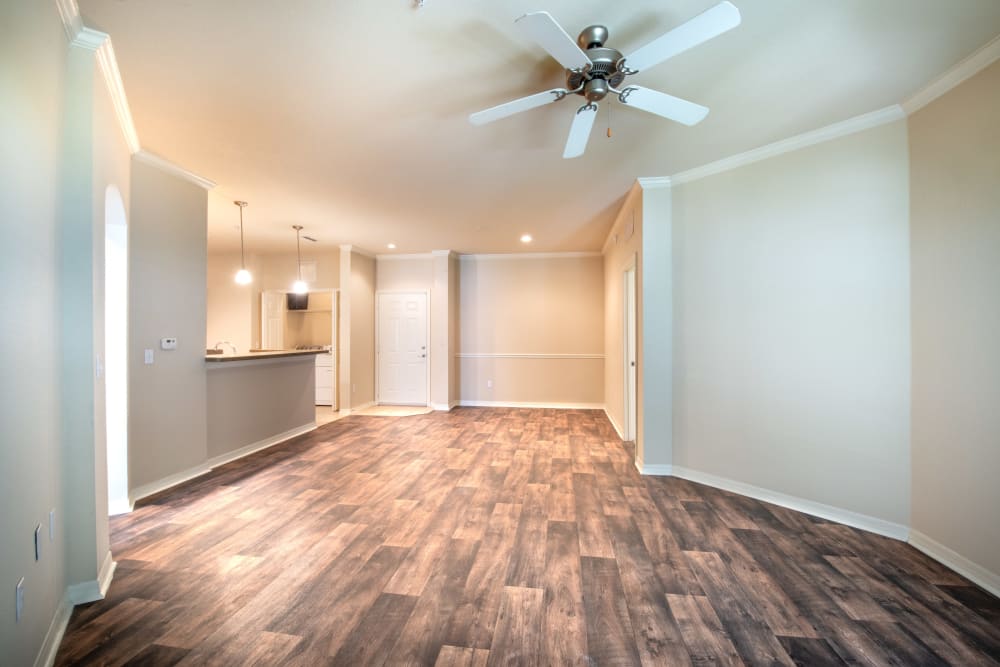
(224, 342)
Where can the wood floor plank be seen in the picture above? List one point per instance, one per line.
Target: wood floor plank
(505, 535)
(610, 638)
(517, 640)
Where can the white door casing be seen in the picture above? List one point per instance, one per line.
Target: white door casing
(629, 335)
(402, 348)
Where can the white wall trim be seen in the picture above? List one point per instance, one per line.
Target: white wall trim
(528, 255)
(972, 571)
(116, 89)
(653, 182)
(165, 165)
(976, 62)
(69, 12)
(530, 404)
(88, 38)
(53, 638)
(614, 424)
(655, 469)
(518, 355)
(170, 481)
(412, 256)
(842, 129)
(441, 407)
(96, 589)
(442, 253)
(855, 519)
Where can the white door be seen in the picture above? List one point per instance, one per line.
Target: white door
(630, 354)
(402, 349)
(272, 320)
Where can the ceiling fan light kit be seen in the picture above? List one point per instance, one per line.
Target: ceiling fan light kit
(595, 71)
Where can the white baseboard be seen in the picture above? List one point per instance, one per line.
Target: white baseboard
(653, 469)
(53, 638)
(614, 424)
(523, 404)
(972, 571)
(440, 407)
(185, 475)
(829, 512)
(96, 589)
(119, 506)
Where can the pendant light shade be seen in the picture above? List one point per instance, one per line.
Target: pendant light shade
(299, 286)
(243, 276)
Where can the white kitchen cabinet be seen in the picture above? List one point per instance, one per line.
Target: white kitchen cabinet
(324, 379)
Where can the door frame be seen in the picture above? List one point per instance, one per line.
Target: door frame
(378, 339)
(630, 321)
(263, 317)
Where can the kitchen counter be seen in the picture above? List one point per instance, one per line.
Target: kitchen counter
(261, 354)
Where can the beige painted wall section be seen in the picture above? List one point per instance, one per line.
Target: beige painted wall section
(624, 245)
(955, 241)
(167, 269)
(32, 85)
(251, 403)
(791, 324)
(277, 271)
(230, 306)
(362, 326)
(534, 326)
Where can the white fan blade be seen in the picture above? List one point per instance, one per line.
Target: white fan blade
(549, 35)
(517, 106)
(579, 131)
(664, 105)
(710, 23)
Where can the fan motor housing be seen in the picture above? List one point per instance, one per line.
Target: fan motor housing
(604, 74)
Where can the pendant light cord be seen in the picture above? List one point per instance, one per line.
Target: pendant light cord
(243, 259)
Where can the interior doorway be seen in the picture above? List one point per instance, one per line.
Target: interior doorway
(629, 347)
(401, 348)
(116, 349)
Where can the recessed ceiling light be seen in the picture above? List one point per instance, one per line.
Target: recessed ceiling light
(526, 238)
(391, 246)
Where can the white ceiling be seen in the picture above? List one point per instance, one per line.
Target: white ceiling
(350, 117)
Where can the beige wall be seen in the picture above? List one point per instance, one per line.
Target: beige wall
(955, 241)
(792, 324)
(362, 328)
(230, 306)
(32, 84)
(252, 402)
(277, 271)
(167, 267)
(525, 319)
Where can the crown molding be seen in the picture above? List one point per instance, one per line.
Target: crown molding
(528, 255)
(976, 62)
(653, 182)
(69, 12)
(83, 37)
(116, 89)
(412, 256)
(842, 129)
(154, 160)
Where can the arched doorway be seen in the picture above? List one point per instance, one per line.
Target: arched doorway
(116, 348)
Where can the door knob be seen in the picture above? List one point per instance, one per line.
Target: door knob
(422, 356)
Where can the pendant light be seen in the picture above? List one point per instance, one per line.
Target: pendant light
(299, 286)
(243, 276)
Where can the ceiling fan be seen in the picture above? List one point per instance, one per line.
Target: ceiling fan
(594, 70)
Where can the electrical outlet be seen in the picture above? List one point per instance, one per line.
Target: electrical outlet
(52, 525)
(38, 541)
(19, 609)
(168, 343)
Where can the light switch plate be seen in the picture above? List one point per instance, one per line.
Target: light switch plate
(148, 356)
(168, 343)
(52, 525)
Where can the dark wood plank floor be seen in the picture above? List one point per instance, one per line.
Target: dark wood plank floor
(514, 537)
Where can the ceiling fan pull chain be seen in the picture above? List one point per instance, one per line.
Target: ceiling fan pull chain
(609, 121)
